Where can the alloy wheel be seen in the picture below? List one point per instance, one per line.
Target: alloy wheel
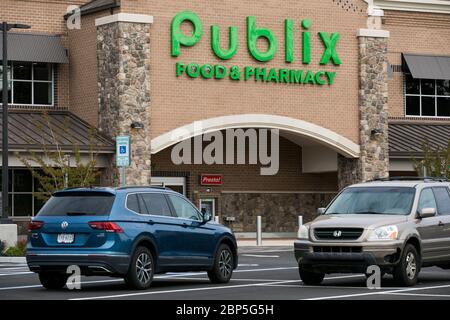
(144, 268)
(225, 266)
(411, 265)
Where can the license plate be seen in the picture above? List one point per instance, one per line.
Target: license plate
(65, 238)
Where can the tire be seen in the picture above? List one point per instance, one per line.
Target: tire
(222, 270)
(311, 278)
(141, 270)
(53, 280)
(407, 271)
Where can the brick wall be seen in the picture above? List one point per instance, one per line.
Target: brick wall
(83, 69)
(247, 177)
(177, 101)
(44, 16)
(413, 32)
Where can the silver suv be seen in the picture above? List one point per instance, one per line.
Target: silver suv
(399, 225)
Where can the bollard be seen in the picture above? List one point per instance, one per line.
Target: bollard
(216, 219)
(300, 223)
(258, 231)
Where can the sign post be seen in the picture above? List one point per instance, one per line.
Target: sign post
(123, 157)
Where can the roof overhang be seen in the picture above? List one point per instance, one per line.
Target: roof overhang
(431, 6)
(32, 47)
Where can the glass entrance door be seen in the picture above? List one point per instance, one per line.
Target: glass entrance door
(208, 206)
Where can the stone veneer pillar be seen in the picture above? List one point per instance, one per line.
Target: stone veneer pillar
(373, 108)
(123, 53)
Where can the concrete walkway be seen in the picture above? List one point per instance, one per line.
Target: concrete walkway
(266, 242)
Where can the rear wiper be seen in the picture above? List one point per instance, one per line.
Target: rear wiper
(77, 213)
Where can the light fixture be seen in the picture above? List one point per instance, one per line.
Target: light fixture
(137, 125)
(376, 132)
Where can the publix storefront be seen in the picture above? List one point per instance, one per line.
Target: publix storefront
(248, 108)
(262, 108)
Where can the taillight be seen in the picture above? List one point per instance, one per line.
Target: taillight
(35, 225)
(106, 226)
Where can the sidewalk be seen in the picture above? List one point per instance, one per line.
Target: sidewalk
(266, 243)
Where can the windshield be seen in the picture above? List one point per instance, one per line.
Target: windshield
(373, 200)
(78, 204)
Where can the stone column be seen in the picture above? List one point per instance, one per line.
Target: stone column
(123, 53)
(373, 107)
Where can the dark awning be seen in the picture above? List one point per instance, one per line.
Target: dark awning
(28, 130)
(406, 138)
(427, 66)
(34, 48)
(96, 6)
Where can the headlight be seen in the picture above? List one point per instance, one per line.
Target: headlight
(303, 232)
(384, 233)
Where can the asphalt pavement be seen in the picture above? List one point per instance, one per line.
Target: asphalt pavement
(264, 273)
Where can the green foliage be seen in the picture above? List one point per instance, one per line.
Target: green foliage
(435, 162)
(56, 168)
(19, 250)
(2, 248)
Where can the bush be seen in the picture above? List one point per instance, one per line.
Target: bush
(2, 248)
(19, 250)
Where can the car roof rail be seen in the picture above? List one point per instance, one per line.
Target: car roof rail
(411, 178)
(140, 187)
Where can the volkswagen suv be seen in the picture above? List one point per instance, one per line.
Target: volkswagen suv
(129, 232)
(399, 225)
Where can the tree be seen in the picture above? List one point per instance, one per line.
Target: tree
(55, 168)
(435, 162)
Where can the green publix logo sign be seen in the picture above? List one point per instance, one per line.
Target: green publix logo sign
(259, 74)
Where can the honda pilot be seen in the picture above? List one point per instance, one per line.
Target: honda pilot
(129, 232)
(399, 225)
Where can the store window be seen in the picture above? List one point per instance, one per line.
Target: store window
(31, 83)
(23, 197)
(427, 97)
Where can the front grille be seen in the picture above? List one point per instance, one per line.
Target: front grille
(338, 233)
(337, 249)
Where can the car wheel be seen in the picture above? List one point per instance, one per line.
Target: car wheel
(53, 280)
(223, 265)
(407, 271)
(311, 278)
(141, 271)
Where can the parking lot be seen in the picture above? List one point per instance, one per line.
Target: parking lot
(263, 273)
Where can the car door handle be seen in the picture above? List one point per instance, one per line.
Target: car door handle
(185, 225)
(151, 222)
(441, 224)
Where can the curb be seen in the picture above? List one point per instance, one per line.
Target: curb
(13, 259)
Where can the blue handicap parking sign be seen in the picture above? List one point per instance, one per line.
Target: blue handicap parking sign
(123, 149)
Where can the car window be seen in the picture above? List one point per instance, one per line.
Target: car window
(133, 203)
(156, 204)
(183, 208)
(78, 203)
(442, 200)
(426, 199)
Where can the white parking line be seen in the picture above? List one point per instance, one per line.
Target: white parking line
(259, 256)
(248, 265)
(204, 288)
(420, 294)
(134, 294)
(378, 292)
(15, 273)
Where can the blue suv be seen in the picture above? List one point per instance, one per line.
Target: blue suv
(129, 232)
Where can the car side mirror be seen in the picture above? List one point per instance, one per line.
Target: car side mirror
(206, 217)
(321, 211)
(427, 212)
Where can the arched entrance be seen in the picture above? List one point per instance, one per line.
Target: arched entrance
(306, 179)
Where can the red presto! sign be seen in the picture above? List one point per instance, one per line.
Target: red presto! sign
(210, 179)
